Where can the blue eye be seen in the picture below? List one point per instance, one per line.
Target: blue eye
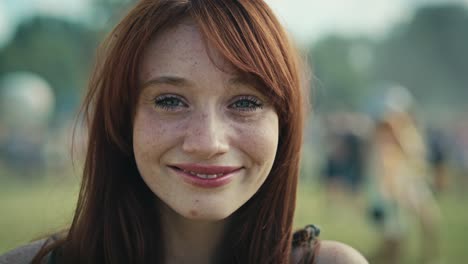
(247, 103)
(169, 102)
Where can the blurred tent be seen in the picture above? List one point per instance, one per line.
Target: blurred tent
(27, 100)
(26, 106)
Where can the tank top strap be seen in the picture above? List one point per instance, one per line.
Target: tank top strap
(52, 258)
(306, 243)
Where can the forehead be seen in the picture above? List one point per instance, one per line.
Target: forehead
(180, 50)
(184, 38)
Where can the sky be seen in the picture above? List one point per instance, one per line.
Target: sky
(307, 20)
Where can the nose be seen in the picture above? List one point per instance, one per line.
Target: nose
(205, 136)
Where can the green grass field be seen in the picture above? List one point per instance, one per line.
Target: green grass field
(29, 210)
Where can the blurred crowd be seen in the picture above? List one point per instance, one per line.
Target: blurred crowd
(400, 164)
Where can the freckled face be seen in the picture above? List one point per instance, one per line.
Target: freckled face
(204, 139)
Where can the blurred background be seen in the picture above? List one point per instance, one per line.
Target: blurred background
(385, 165)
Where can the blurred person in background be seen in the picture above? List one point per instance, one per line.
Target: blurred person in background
(461, 154)
(195, 114)
(400, 186)
(344, 167)
(437, 146)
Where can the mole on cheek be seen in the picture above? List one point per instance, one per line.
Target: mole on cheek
(193, 213)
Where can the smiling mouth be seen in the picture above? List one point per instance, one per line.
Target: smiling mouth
(204, 176)
(207, 172)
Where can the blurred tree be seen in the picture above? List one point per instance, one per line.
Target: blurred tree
(429, 56)
(341, 68)
(107, 12)
(59, 51)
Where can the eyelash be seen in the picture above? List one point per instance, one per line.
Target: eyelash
(172, 102)
(253, 103)
(166, 102)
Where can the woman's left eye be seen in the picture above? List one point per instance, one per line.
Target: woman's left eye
(246, 103)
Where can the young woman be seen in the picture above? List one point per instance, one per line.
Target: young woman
(195, 116)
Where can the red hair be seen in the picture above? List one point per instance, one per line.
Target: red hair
(116, 220)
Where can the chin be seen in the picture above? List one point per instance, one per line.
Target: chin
(207, 214)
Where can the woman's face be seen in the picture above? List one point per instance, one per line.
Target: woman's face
(204, 139)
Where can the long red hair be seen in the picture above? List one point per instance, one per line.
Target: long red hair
(116, 220)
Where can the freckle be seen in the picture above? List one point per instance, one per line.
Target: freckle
(193, 213)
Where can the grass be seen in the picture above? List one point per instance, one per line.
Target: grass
(344, 219)
(31, 209)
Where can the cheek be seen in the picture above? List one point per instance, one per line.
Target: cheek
(151, 135)
(259, 140)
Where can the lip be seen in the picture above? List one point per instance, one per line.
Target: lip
(227, 171)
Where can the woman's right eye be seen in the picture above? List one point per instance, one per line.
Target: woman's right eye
(169, 102)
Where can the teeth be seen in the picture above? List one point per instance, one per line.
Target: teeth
(204, 176)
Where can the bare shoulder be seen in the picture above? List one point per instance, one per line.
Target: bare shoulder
(22, 255)
(332, 252)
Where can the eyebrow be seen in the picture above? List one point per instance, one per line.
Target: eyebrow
(238, 80)
(171, 80)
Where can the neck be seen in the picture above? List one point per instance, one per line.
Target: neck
(188, 240)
